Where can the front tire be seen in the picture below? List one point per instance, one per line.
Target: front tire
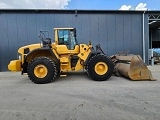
(42, 70)
(100, 68)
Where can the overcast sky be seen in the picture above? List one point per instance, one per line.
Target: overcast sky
(81, 4)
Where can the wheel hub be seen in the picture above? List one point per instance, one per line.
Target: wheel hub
(40, 71)
(101, 68)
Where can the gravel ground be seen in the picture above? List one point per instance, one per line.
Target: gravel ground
(76, 97)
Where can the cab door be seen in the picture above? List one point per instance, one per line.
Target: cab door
(67, 41)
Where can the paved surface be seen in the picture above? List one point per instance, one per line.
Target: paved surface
(76, 97)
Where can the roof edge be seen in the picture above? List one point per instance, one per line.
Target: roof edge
(79, 10)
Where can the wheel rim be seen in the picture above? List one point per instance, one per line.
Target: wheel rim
(101, 68)
(40, 71)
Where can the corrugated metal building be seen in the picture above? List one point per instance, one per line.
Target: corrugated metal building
(114, 30)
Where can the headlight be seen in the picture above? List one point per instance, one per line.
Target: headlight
(26, 50)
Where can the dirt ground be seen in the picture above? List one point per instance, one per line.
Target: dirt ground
(76, 97)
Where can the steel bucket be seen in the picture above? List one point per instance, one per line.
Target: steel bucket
(132, 67)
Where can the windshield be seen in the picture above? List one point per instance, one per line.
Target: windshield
(63, 37)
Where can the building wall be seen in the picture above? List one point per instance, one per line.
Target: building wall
(155, 35)
(113, 30)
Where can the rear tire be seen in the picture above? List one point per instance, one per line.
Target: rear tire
(42, 70)
(100, 68)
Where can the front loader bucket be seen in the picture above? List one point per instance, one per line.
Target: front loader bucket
(132, 67)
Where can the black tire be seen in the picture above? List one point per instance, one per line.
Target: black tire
(100, 76)
(50, 70)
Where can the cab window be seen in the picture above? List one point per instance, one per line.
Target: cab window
(73, 40)
(63, 37)
(68, 38)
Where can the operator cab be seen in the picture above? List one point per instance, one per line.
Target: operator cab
(67, 37)
(66, 40)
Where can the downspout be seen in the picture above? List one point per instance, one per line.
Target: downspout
(144, 38)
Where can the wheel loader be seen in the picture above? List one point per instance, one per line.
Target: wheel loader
(45, 61)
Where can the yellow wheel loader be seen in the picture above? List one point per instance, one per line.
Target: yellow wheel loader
(44, 62)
